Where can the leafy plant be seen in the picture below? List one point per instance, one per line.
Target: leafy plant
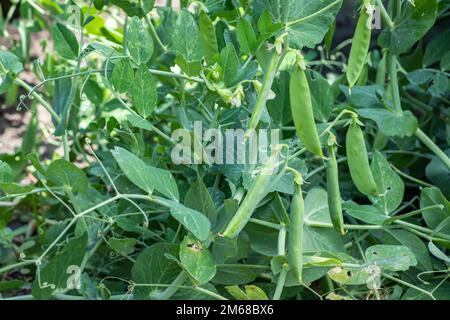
(351, 204)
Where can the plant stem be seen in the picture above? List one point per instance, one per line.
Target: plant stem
(387, 19)
(39, 98)
(394, 84)
(154, 34)
(16, 265)
(409, 285)
(173, 288)
(422, 136)
(280, 284)
(406, 176)
(269, 76)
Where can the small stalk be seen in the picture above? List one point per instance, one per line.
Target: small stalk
(280, 284)
(422, 136)
(394, 84)
(269, 76)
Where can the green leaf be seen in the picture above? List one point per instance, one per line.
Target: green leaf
(430, 197)
(5, 172)
(306, 21)
(138, 41)
(246, 37)
(152, 266)
(413, 23)
(199, 199)
(209, 38)
(437, 172)
(389, 184)
(10, 62)
(413, 243)
(389, 257)
(322, 96)
(280, 107)
(438, 253)
(436, 48)
(123, 75)
(316, 211)
(55, 274)
(143, 91)
(146, 177)
(186, 39)
(64, 173)
(124, 246)
(134, 8)
(350, 276)
(224, 248)
(234, 275)
(192, 220)
(252, 292)
(197, 260)
(11, 285)
(392, 124)
(66, 44)
(365, 213)
(230, 65)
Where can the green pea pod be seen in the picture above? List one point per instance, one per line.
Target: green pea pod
(302, 112)
(334, 194)
(258, 190)
(358, 161)
(360, 47)
(295, 244)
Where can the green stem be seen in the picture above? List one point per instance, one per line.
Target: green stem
(154, 34)
(39, 98)
(266, 224)
(269, 76)
(406, 176)
(66, 146)
(16, 266)
(387, 19)
(173, 288)
(409, 285)
(394, 84)
(422, 136)
(280, 284)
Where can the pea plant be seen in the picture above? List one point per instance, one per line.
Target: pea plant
(347, 200)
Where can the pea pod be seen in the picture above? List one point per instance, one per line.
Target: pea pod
(295, 244)
(358, 161)
(255, 194)
(334, 194)
(302, 112)
(360, 47)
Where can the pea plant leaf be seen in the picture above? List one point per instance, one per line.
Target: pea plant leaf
(152, 266)
(55, 274)
(65, 173)
(146, 177)
(143, 91)
(197, 260)
(199, 199)
(66, 43)
(389, 184)
(415, 20)
(186, 39)
(390, 123)
(389, 257)
(123, 75)
(306, 21)
(433, 196)
(139, 42)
